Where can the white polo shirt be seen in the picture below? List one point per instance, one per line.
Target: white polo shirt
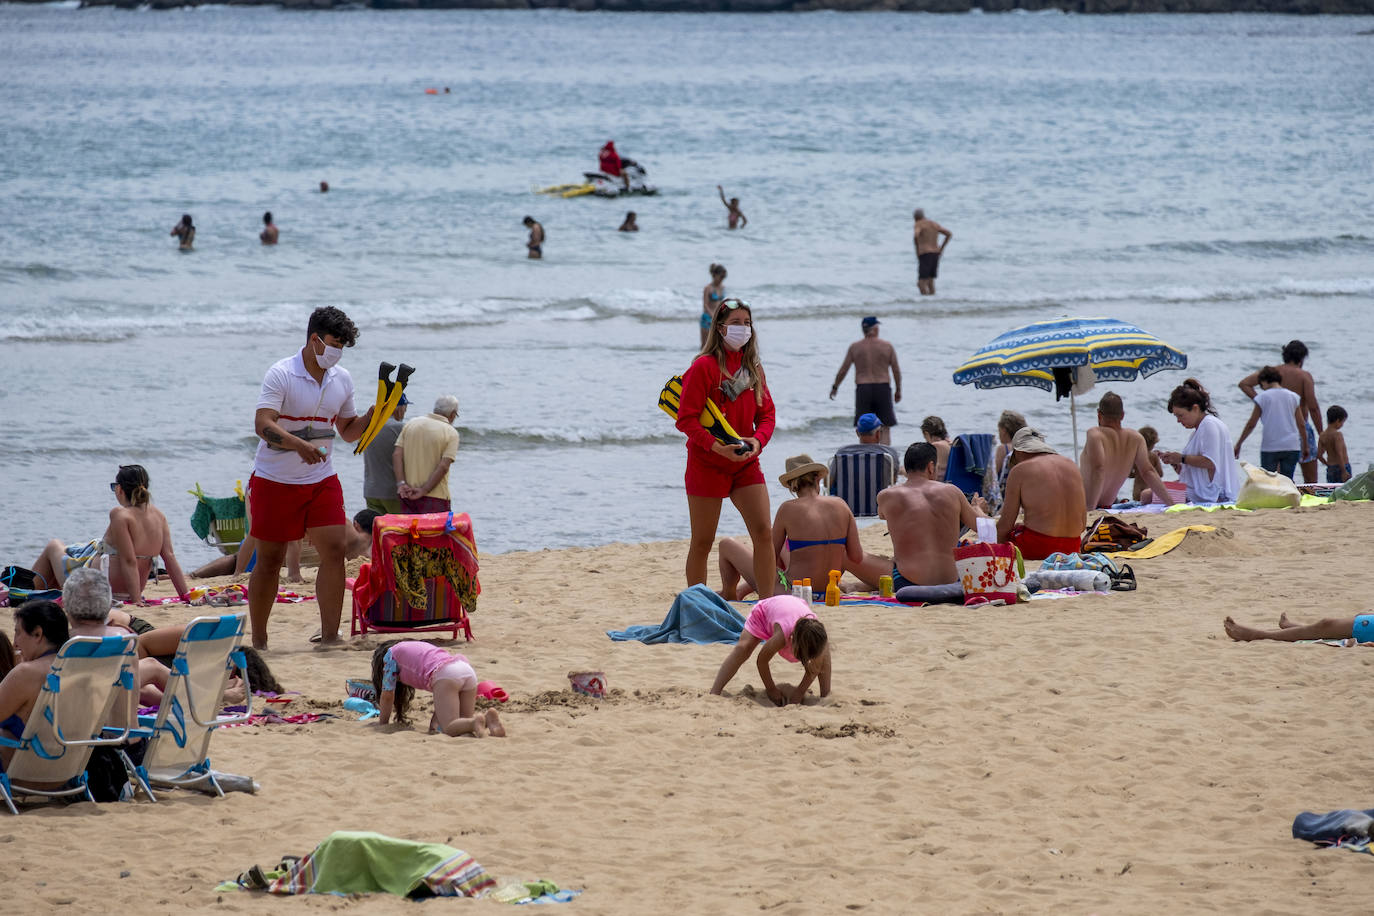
(299, 402)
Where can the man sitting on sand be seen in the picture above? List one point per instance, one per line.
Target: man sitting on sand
(1360, 628)
(924, 516)
(1110, 452)
(1049, 489)
(86, 598)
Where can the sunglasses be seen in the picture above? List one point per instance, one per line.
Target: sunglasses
(114, 487)
(731, 304)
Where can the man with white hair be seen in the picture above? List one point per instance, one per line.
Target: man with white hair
(422, 456)
(87, 599)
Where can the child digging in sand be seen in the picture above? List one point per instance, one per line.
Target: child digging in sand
(787, 627)
(402, 666)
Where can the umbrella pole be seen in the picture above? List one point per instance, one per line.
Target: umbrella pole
(1073, 415)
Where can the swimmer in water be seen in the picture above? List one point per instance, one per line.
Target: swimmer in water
(268, 235)
(185, 231)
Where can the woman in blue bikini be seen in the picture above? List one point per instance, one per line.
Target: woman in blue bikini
(812, 534)
(711, 297)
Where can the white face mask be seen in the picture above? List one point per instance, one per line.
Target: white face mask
(737, 335)
(330, 357)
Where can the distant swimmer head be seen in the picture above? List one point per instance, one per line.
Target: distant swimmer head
(324, 187)
(186, 219)
(267, 218)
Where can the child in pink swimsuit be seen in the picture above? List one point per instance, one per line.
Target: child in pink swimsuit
(787, 627)
(402, 666)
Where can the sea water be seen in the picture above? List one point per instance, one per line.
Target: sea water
(1205, 177)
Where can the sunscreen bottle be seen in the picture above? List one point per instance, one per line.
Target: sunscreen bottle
(810, 595)
(832, 589)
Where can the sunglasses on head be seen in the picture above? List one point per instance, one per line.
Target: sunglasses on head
(732, 303)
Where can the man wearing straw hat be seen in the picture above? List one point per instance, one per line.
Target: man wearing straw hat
(1049, 489)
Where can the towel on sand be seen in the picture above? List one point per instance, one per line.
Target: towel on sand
(698, 615)
(1157, 547)
(361, 862)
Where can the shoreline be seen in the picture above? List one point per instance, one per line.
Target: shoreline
(1087, 7)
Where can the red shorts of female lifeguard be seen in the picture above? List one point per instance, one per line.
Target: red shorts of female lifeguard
(704, 479)
(282, 511)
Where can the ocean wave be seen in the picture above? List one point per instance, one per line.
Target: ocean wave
(1264, 248)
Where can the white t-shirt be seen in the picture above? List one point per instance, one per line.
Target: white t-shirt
(1280, 433)
(1213, 440)
(302, 404)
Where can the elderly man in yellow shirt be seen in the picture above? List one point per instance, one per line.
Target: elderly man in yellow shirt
(422, 456)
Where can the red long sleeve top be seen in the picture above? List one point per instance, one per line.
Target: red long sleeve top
(748, 418)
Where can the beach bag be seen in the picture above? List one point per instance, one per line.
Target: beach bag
(26, 585)
(1361, 486)
(989, 571)
(1111, 533)
(1266, 490)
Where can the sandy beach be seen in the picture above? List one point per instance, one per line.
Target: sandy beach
(1089, 755)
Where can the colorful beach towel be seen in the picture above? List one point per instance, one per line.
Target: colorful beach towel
(362, 862)
(698, 615)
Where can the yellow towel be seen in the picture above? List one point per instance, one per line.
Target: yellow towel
(1162, 544)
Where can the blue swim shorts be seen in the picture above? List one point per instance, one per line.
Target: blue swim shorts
(1363, 630)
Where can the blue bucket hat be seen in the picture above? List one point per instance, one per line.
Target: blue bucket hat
(868, 422)
(404, 400)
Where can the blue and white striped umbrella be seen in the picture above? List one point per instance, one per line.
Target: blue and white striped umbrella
(1114, 350)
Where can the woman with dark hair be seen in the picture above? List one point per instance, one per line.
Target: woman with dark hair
(728, 373)
(185, 231)
(933, 431)
(40, 629)
(136, 536)
(1207, 465)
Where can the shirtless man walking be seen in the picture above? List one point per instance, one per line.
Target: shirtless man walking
(1109, 453)
(924, 516)
(1049, 489)
(872, 359)
(1299, 381)
(928, 250)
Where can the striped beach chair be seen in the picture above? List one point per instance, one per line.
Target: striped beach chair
(89, 676)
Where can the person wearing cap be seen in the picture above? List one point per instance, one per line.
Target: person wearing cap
(1048, 488)
(858, 471)
(812, 534)
(379, 477)
(1110, 451)
(424, 451)
(924, 517)
(873, 359)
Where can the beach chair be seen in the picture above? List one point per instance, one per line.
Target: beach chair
(857, 474)
(422, 576)
(178, 737)
(969, 458)
(221, 522)
(89, 675)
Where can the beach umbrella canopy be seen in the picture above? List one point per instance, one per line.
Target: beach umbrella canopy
(1029, 356)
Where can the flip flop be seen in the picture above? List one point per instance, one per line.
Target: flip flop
(319, 635)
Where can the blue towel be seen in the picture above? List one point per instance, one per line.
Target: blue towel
(698, 615)
(977, 452)
(969, 457)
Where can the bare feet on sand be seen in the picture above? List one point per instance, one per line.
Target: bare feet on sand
(1286, 623)
(1242, 633)
(494, 725)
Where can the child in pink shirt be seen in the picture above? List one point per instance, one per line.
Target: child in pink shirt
(787, 627)
(402, 666)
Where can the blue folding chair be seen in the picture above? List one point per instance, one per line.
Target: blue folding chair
(89, 677)
(178, 753)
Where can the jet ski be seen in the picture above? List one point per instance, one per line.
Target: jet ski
(631, 180)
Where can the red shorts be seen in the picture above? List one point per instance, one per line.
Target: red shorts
(283, 511)
(704, 479)
(1036, 546)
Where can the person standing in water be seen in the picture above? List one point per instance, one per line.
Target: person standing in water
(268, 235)
(629, 225)
(185, 231)
(736, 219)
(536, 240)
(711, 297)
(928, 250)
(873, 359)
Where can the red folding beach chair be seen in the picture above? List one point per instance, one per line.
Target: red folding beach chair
(422, 576)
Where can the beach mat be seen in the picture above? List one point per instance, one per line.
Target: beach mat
(1157, 547)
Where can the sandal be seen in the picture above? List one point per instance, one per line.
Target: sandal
(1125, 580)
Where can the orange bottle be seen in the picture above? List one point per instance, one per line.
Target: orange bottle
(832, 589)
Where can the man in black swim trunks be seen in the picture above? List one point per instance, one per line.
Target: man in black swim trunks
(872, 359)
(928, 250)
